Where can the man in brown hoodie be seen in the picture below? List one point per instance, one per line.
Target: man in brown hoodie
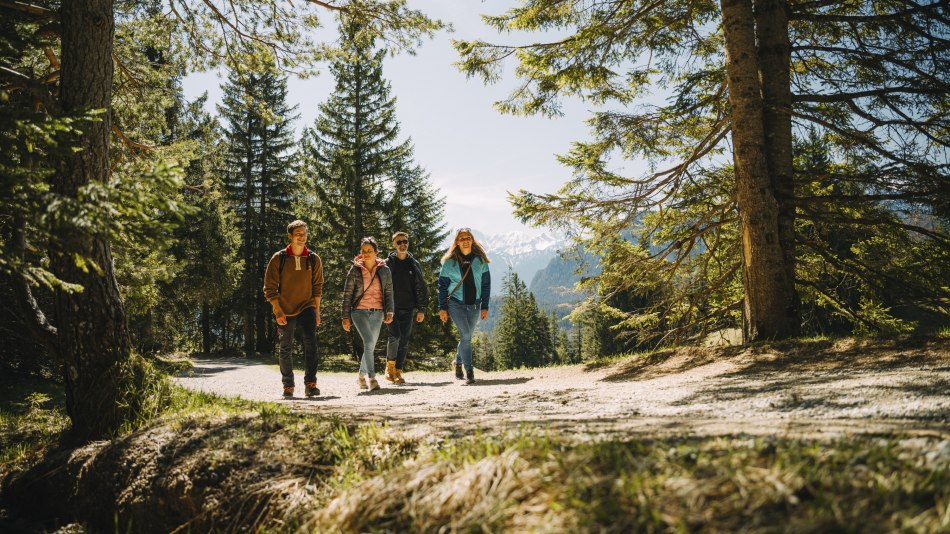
(293, 285)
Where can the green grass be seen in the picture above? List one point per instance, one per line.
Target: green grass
(32, 417)
(268, 468)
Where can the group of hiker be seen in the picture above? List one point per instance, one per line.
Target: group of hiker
(377, 291)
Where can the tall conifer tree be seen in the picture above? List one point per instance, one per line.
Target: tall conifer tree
(872, 77)
(364, 180)
(522, 336)
(260, 169)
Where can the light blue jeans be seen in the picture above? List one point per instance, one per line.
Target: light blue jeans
(368, 324)
(466, 318)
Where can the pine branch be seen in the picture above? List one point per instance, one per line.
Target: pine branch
(885, 91)
(37, 90)
(36, 12)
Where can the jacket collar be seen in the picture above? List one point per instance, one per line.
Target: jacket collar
(290, 251)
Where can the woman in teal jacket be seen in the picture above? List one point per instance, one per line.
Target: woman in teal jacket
(464, 289)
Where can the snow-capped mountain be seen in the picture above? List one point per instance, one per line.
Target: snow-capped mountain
(524, 254)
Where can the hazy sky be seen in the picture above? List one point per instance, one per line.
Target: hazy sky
(474, 154)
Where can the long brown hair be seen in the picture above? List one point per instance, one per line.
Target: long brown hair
(454, 251)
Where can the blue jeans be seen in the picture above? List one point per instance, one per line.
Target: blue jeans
(398, 344)
(306, 321)
(367, 325)
(466, 318)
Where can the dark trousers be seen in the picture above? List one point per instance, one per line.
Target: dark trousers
(306, 323)
(399, 330)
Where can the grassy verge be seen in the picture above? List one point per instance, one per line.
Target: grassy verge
(32, 418)
(207, 463)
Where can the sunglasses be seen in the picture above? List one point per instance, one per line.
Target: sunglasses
(466, 230)
(402, 242)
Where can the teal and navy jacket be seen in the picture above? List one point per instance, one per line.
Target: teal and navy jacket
(450, 275)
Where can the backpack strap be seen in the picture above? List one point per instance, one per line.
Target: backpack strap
(460, 281)
(280, 267)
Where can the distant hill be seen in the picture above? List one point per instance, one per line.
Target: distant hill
(554, 286)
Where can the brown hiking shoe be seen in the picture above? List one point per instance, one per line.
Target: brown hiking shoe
(458, 372)
(361, 382)
(391, 370)
(288, 391)
(373, 384)
(399, 379)
(312, 390)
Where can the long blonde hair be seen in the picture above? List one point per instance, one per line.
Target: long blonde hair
(454, 251)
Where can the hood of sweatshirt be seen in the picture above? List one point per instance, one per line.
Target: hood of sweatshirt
(358, 261)
(394, 256)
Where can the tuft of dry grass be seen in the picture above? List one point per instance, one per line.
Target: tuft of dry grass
(213, 464)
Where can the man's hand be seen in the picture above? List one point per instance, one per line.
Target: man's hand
(420, 317)
(444, 315)
(318, 317)
(484, 314)
(346, 325)
(280, 315)
(388, 318)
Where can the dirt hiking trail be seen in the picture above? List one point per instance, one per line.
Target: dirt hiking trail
(819, 389)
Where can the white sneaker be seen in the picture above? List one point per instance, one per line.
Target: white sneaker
(373, 384)
(361, 382)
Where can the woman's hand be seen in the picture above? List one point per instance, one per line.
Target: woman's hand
(388, 318)
(346, 325)
(484, 314)
(444, 315)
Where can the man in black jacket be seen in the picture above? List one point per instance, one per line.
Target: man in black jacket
(411, 296)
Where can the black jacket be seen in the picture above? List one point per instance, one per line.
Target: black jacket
(409, 287)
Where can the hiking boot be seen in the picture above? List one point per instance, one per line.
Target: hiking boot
(288, 391)
(399, 379)
(458, 371)
(470, 376)
(312, 390)
(361, 382)
(391, 370)
(373, 384)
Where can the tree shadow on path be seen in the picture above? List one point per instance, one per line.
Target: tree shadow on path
(501, 381)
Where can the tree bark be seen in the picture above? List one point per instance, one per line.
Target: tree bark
(771, 18)
(93, 337)
(206, 328)
(769, 290)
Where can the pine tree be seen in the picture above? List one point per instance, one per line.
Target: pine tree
(58, 124)
(871, 76)
(414, 206)
(260, 170)
(209, 241)
(364, 180)
(522, 336)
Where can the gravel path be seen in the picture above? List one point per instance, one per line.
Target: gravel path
(830, 392)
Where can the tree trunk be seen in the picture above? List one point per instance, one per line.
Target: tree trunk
(769, 292)
(775, 61)
(206, 328)
(250, 241)
(93, 335)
